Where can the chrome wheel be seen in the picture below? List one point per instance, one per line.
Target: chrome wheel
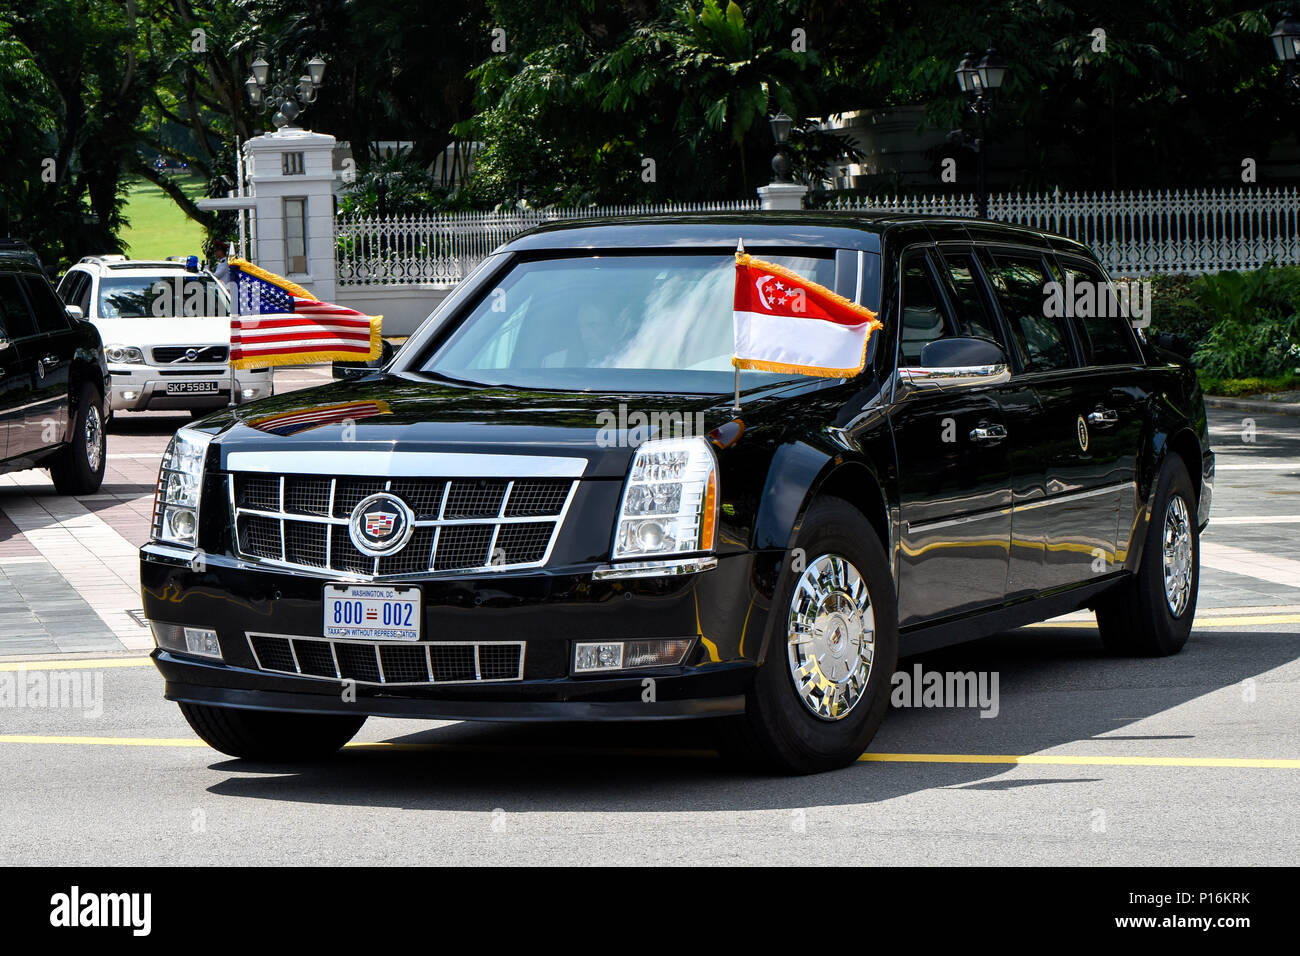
(94, 439)
(831, 636)
(1177, 555)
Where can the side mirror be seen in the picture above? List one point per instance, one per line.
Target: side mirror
(958, 362)
(349, 370)
(343, 373)
(75, 311)
(1174, 343)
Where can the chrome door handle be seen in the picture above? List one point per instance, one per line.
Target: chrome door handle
(988, 433)
(1103, 417)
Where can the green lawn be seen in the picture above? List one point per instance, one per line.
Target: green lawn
(156, 226)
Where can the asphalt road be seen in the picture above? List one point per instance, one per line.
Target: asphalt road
(1187, 760)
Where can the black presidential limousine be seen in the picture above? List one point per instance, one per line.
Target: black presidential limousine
(546, 506)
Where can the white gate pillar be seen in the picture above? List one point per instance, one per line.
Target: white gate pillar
(291, 186)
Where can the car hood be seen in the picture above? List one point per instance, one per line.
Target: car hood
(409, 413)
(151, 332)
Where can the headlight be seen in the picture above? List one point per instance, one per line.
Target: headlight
(124, 354)
(670, 500)
(180, 481)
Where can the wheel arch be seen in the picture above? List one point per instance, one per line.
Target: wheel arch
(798, 475)
(1180, 441)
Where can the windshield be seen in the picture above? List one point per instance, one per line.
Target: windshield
(610, 323)
(160, 296)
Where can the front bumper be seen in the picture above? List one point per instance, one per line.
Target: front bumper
(550, 612)
(136, 388)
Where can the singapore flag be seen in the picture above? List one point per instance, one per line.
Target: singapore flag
(785, 323)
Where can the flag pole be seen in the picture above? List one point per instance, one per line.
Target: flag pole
(230, 344)
(735, 404)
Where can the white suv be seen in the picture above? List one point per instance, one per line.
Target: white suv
(166, 331)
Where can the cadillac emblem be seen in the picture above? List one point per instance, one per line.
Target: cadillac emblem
(381, 525)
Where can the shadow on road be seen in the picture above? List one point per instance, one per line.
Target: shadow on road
(1056, 688)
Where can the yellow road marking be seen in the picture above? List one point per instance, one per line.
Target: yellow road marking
(1056, 760)
(1068, 760)
(58, 665)
(102, 741)
(1237, 620)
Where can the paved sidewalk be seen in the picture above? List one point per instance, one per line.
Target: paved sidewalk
(1261, 406)
(69, 566)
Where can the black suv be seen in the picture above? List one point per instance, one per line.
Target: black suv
(547, 507)
(52, 379)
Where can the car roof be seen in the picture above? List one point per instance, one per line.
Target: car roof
(116, 264)
(813, 229)
(16, 255)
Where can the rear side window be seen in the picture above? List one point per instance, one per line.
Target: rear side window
(973, 312)
(1098, 317)
(75, 289)
(1020, 283)
(50, 314)
(15, 318)
(923, 317)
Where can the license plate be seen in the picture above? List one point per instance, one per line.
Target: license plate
(192, 388)
(368, 613)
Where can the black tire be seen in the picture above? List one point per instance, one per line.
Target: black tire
(78, 469)
(1137, 619)
(197, 413)
(778, 731)
(270, 736)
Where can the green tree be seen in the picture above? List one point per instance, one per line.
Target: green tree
(75, 63)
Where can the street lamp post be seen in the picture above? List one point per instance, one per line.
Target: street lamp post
(286, 97)
(980, 82)
(782, 192)
(1286, 47)
(781, 125)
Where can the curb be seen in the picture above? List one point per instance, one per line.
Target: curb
(1245, 405)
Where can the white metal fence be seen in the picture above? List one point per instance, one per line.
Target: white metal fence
(443, 247)
(1133, 233)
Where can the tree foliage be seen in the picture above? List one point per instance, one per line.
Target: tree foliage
(583, 101)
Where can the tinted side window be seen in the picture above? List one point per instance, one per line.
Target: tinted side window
(15, 318)
(923, 318)
(973, 312)
(73, 287)
(1098, 317)
(50, 315)
(1019, 282)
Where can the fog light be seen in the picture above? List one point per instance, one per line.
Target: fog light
(130, 396)
(198, 641)
(622, 655)
(598, 657)
(249, 393)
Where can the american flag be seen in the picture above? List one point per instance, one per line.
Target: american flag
(280, 323)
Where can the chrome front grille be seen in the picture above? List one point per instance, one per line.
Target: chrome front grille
(167, 354)
(461, 524)
(371, 662)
